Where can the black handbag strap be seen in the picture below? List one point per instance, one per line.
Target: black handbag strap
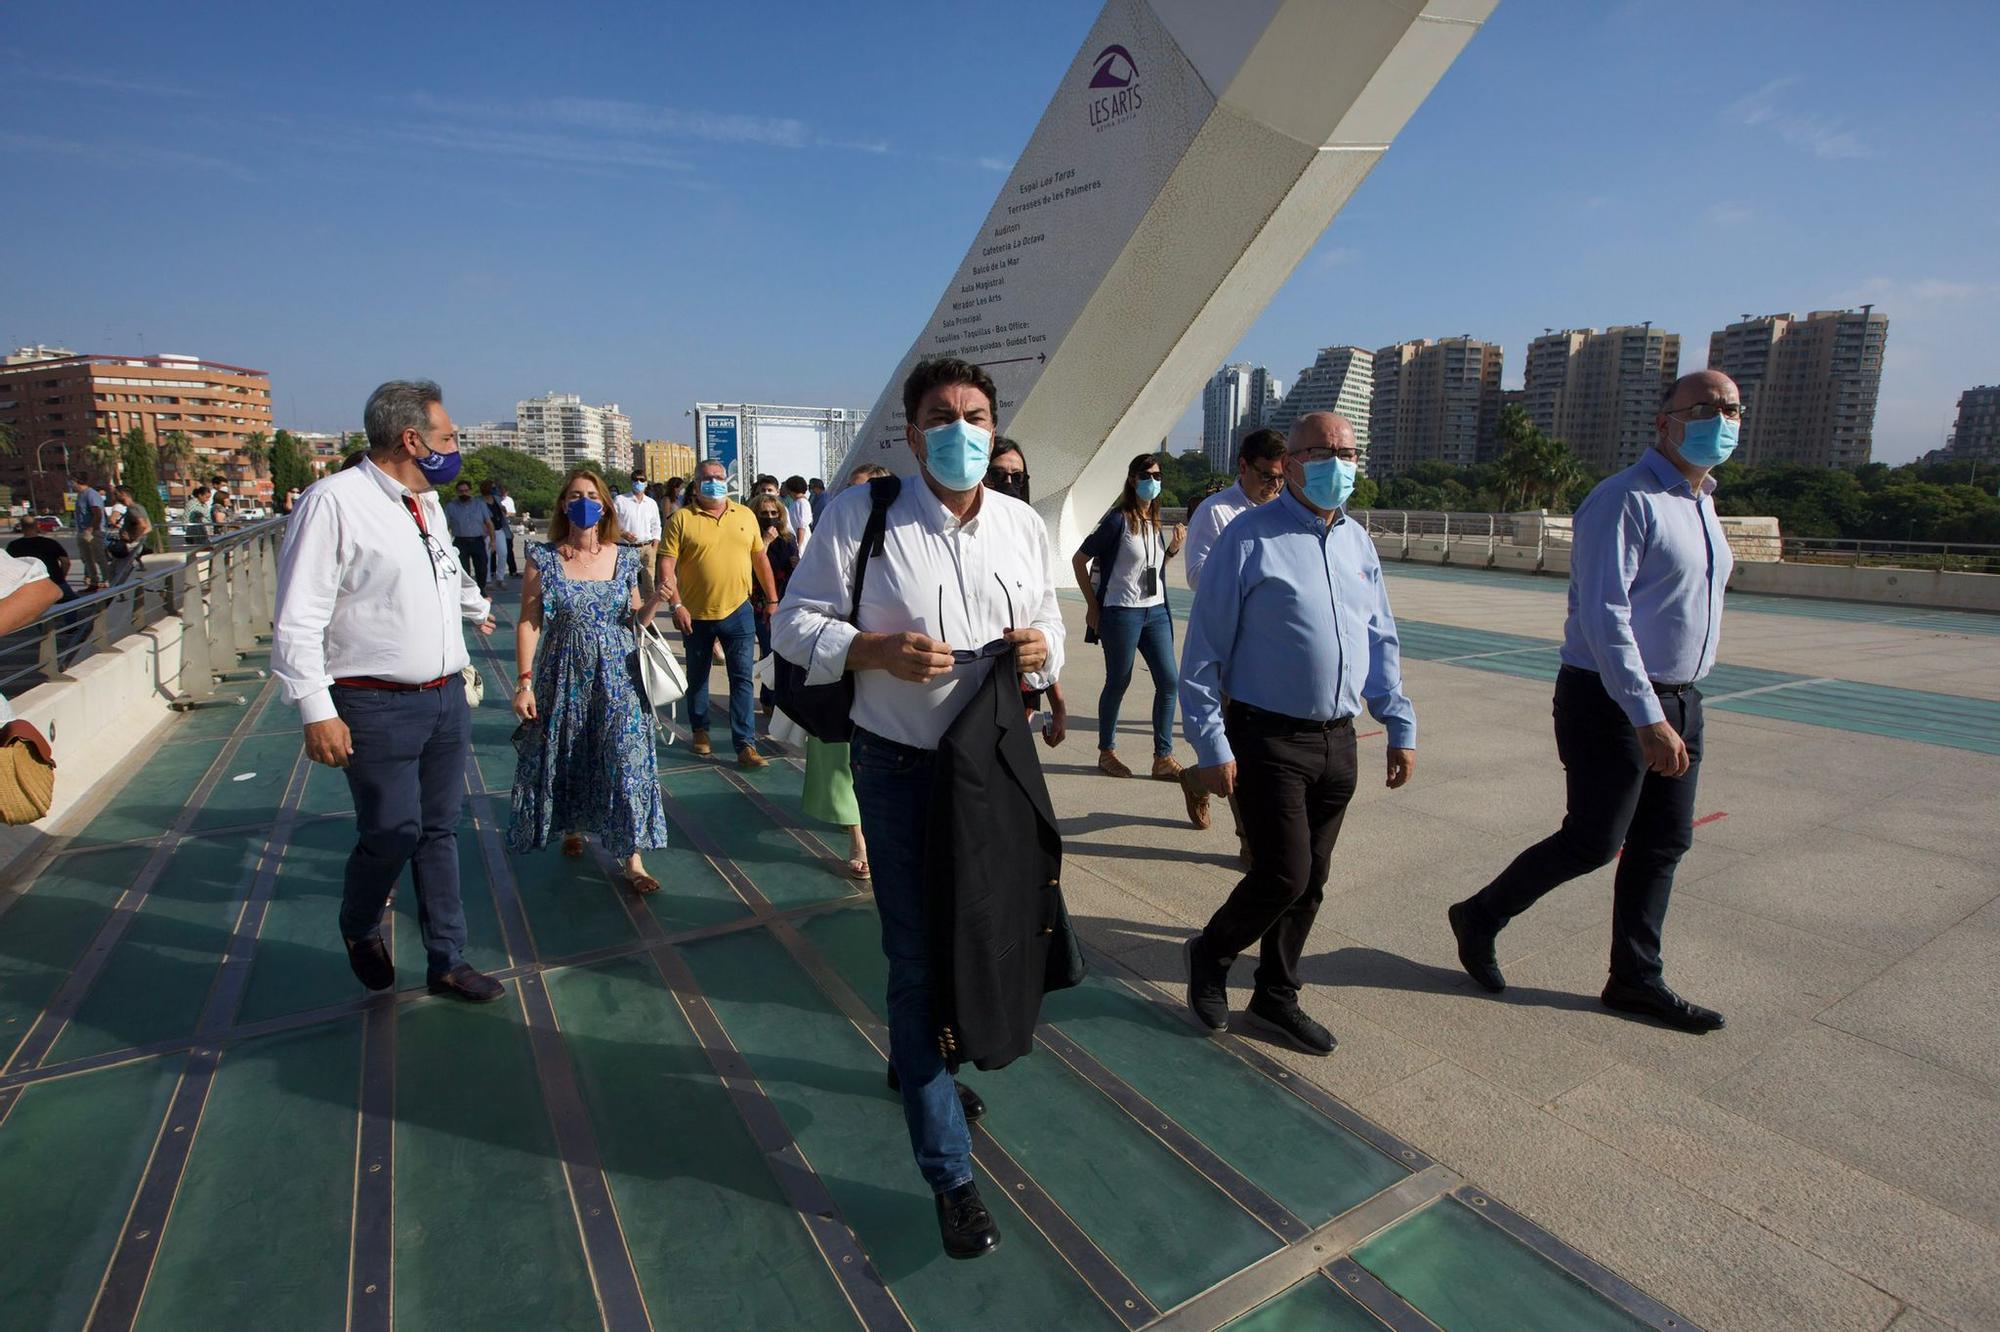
(882, 492)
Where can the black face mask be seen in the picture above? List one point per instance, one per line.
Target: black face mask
(1009, 483)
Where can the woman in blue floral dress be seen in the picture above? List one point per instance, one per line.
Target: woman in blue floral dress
(587, 763)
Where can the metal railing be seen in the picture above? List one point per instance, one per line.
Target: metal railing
(1531, 531)
(1953, 556)
(224, 593)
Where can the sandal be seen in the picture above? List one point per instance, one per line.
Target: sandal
(857, 868)
(572, 845)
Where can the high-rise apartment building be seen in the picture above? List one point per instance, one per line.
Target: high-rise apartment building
(1224, 404)
(53, 404)
(564, 431)
(1809, 385)
(1267, 397)
(663, 458)
(1434, 401)
(1600, 393)
(489, 435)
(1976, 432)
(1340, 379)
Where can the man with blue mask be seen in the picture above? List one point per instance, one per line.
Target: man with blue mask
(959, 581)
(367, 642)
(1292, 624)
(1645, 615)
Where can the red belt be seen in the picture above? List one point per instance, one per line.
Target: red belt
(393, 686)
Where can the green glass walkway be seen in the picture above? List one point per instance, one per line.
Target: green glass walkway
(676, 1117)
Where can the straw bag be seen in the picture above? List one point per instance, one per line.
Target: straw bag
(27, 773)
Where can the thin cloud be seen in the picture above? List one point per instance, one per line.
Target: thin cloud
(106, 83)
(1729, 213)
(571, 150)
(123, 156)
(639, 121)
(1825, 138)
(1000, 164)
(1338, 257)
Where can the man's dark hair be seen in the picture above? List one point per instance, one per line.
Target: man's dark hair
(764, 480)
(794, 485)
(1261, 446)
(199, 491)
(941, 370)
(816, 481)
(399, 405)
(353, 459)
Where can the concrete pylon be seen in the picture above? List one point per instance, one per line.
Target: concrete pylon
(1191, 156)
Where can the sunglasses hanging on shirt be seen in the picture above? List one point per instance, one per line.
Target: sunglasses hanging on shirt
(998, 647)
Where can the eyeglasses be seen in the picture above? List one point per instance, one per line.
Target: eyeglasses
(999, 647)
(1708, 411)
(1000, 476)
(442, 563)
(1322, 455)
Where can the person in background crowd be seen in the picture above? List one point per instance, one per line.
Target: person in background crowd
(958, 564)
(1007, 472)
(54, 558)
(471, 531)
(92, 530)
(673, 497)
(1292, 625)
(1645, 617)
(781, 548)
(829, 795)
(365, 643)
(135, 527)
(290, 500)
(195, 519)
(221, 509)
(766, 485)
(799, 509)
(818, 499)
(587, 759)
(639, 527)
(710, 554)
(505, 528)
(489, 495)
(1122, 569)
(1260, 475)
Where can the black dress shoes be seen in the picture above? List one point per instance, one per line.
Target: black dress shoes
(465, 983)
(370, 960)
(1475, 948)
(1290, 1024)
(1208, 987)
(1657, 1001)
(968, 1099)
(964, 1223)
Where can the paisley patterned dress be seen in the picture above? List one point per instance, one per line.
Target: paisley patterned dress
(587, 763)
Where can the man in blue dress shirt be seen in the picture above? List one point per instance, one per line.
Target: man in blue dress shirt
(1292, 623)
(1645, 614)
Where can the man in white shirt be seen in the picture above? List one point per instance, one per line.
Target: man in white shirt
(366, 643)
(507, 531)
(639, 528)
(960, 567)
(799, 509)
(1260, 475)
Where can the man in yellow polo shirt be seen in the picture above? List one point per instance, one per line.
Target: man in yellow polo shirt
(709, 551)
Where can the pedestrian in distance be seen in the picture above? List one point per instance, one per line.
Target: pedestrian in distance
(958, 564)
(816, 498)
(197, 518)
(781, 548)
(505, 528)
(1122, 569)
(489, 495)
(711, 553)
(1647, 573)
(366, 642)
(127, 546)
(639, 527)
(1292, 625)
(471, 532)
(92, 532)
(798, 508)
(1260, 475)
(587, 764)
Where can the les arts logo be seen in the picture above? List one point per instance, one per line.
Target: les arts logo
(1115, 85)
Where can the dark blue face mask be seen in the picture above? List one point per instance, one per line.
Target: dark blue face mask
(441, 469)
(584, 511)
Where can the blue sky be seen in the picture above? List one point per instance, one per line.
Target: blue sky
(657, 203)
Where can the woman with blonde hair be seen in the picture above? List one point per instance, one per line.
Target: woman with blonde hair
(587, 762)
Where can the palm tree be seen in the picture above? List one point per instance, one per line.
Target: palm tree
(175, 452)
(102, 453)
(7, 440)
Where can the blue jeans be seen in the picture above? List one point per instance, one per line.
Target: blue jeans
(408, 780)
(892, 784)
(1150, 631)
(738, 632)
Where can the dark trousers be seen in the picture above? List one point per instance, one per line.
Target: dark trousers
(408, 780)
(737, 632)
(1294, 779)
(1615, 804)
(472, 554)
(506, 539)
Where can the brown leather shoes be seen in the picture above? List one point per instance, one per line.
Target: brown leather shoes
(1196, 797)
(1109, 764)
(699, 745)
(748, 757)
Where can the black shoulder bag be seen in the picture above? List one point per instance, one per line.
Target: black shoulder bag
(823, 711)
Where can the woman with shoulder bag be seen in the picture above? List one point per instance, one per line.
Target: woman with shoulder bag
(586, 746)
(127, 548)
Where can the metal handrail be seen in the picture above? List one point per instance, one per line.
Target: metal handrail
(234, 577)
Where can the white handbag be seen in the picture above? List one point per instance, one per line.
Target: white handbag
(660, 672)
(475, 686)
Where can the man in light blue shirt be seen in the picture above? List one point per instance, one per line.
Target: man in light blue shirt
(1292, 624)
(1645, 615)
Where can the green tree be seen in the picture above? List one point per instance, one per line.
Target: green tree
(528, 479)
(290, 463)
(1366, 493)
(256, 450)
(1533, 471)
(7, 440)
(136, 467)
(175, 452)
(101, 455)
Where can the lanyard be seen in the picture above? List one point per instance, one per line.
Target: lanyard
(410, 503)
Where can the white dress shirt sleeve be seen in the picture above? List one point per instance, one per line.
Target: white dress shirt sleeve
(1048, 616)
(810, 627)
(1203, 529)
(308, 580)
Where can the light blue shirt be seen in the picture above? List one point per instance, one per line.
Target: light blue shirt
(1291, 617)
(1645, 584)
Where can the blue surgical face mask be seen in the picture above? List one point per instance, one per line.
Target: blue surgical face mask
(441, 469)
(1329, 483)
(1148, 489)
(715, 490)
(1709, 443)
(955, 455)
(584, 511)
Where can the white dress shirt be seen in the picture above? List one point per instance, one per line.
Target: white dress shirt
(638, 517)
(1206, 525)
(361, 592)
(936, 576)
(800, 512)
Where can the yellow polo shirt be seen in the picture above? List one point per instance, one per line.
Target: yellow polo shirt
(711, 554)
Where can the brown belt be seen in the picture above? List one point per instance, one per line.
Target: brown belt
(394, 686)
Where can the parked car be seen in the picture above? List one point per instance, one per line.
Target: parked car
(48, 522)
